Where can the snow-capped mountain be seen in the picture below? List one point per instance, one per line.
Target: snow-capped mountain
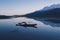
(47, 12)
(51, 7)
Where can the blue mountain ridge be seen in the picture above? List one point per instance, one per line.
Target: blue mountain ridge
(50, 13)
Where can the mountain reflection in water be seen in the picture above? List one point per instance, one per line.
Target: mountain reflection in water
(46, 30)
(54, 22)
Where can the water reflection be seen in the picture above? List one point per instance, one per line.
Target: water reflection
(52, 22)
(9, 30)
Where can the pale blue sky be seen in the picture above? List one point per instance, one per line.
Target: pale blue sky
(13, 7)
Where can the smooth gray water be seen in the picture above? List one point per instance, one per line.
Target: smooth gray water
(44, 31)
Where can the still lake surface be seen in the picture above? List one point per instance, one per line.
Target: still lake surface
(45, 30)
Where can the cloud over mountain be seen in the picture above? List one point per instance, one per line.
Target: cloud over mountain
(47, 12)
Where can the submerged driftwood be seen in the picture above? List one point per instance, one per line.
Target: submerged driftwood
(24, 24)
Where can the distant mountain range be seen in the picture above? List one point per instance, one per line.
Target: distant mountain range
(52, 11)
(5, 17)
(9, 17)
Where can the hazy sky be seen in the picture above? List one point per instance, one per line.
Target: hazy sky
(13, 7)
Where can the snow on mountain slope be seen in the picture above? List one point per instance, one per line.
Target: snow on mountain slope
(51, 7)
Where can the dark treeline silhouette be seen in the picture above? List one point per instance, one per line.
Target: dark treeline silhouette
(8, 17)
(5, 17)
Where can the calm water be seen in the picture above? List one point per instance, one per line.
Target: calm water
(45, 30)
